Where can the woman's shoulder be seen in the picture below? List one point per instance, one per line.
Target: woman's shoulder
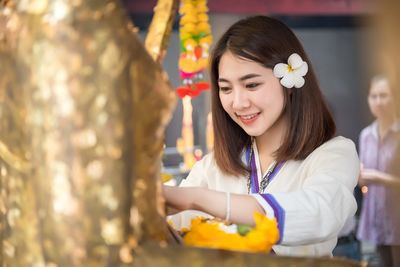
(339, 141)
(338, 154)
(336, 145)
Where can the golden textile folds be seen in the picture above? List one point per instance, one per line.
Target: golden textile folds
(83, 109)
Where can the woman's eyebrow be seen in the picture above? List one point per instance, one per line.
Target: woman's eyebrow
(222, 80)
(248, 76)
(243, 78)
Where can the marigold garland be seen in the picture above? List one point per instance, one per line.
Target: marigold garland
(195, 40)
(209, 233)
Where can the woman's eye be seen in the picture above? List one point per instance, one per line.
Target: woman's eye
(224, 89)
(252, 85)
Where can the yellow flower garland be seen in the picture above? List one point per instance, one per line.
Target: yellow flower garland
(209, 234)
(195, 41)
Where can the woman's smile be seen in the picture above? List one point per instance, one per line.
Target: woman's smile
(249, 118)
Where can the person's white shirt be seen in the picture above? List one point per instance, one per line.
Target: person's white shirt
(311, 198)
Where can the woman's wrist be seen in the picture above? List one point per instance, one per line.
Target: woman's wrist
(195, 196)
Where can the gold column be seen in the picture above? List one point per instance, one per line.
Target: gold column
(18, 217)
(82, 113)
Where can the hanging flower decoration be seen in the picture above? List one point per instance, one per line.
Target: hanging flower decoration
(291, 74)
(195, 40)
(212, 233)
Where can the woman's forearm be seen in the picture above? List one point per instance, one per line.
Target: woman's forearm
(391, 180)
(374, 176)
(242, 207)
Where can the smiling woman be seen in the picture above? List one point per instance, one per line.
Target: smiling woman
(274, 149)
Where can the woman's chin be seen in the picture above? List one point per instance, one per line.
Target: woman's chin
(253, 133)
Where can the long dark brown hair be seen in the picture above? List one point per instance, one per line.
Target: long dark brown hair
(268, 41)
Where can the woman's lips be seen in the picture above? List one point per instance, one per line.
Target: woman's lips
(248, 119)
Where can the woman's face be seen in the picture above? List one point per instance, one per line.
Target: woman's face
(380, 99)
(250, 94)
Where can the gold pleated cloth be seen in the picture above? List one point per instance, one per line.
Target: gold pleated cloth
(83, 110)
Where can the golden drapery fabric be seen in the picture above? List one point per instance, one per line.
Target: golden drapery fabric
(83, 109)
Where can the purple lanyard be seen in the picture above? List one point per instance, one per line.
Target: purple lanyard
(254, 184)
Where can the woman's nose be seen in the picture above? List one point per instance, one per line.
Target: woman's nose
(240, 100)
(379, 100)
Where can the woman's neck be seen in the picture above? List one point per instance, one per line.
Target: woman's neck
(270, 141)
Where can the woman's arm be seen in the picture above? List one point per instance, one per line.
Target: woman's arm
(372, 176)
(242, 207)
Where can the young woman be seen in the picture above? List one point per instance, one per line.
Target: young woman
(275, 150)
(379, 143)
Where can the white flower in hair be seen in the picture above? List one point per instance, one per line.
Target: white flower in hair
(293, 72)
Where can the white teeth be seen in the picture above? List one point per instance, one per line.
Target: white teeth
(248, 117)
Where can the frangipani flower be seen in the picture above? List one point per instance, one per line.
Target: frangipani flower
(293, 72)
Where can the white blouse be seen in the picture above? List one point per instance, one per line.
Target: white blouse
(311, 198)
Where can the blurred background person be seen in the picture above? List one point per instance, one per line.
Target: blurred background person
(380, 215)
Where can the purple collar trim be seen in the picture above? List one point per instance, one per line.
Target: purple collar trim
(254, 181)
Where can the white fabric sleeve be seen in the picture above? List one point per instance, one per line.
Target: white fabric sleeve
(316, 212)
